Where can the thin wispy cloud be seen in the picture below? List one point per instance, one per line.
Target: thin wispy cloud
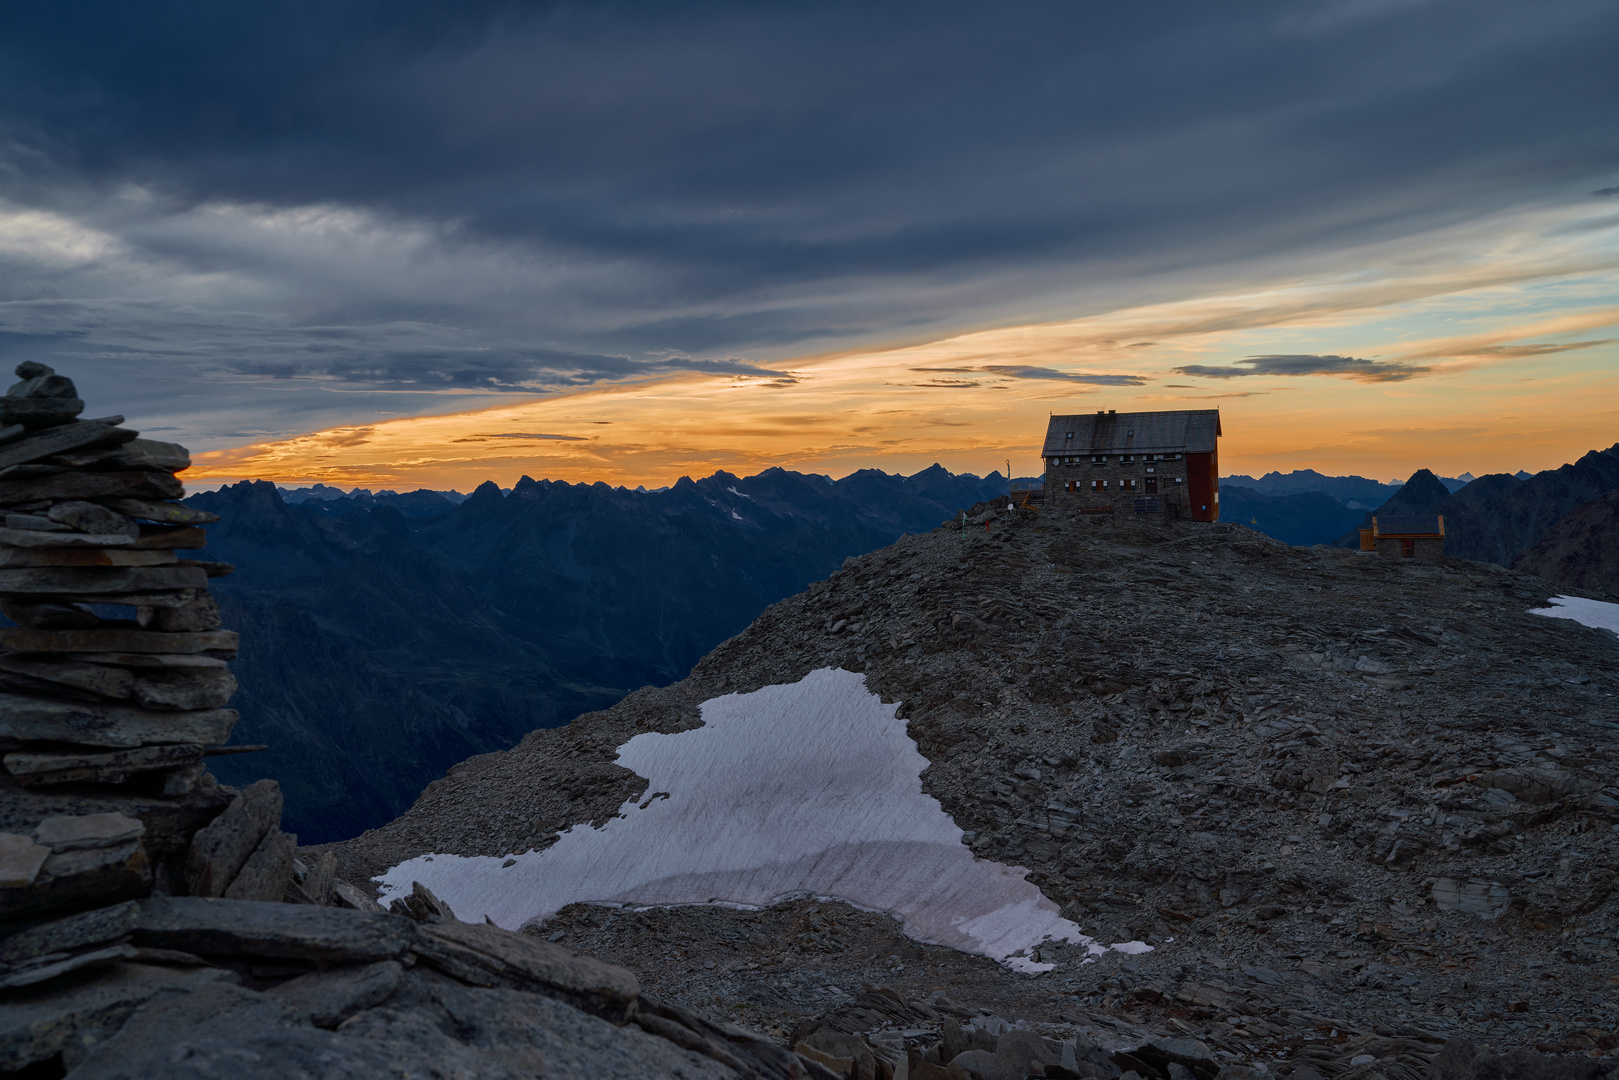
(1346, 367)
(1025, 371)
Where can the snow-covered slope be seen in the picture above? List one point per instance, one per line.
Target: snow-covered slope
(808, 788)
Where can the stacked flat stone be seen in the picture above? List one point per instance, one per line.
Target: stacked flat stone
(113, 682)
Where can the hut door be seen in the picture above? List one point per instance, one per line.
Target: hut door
(1152, 485)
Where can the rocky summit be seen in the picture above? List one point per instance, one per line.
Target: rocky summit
(1363, 812)
(1066, 796)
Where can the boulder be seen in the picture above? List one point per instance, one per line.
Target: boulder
(268, 871)
(219, 851)
(224, 928)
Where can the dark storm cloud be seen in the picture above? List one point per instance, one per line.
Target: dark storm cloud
(510, 196)
(1348, 367)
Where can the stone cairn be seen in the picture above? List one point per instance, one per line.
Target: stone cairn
(114, 682)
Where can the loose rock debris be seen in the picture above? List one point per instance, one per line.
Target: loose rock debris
(1358, 808)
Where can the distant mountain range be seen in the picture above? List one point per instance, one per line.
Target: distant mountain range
(1496, 518)
(387, 636)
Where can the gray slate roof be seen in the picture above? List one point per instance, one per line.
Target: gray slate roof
(1408, 525)
(1191, 431)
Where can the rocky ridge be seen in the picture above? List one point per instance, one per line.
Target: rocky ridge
(1581, 551)
(1362, 810)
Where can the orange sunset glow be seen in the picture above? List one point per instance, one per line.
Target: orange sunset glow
(1496, 384)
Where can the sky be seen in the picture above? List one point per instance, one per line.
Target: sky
(417, 244)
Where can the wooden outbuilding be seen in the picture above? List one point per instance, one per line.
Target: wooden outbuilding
(1145, 462)
(1406, 536)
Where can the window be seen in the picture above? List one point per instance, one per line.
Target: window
(1127, 485)
(1070, 435)
(1151, 469)
(1070, 485)
(1126, 458)
(1180, 480)
(1098, 485)
(1098, 459)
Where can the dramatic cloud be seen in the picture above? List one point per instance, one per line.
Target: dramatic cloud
(331, 213)
(1348, 367)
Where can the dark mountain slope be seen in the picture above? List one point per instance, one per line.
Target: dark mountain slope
(1496, 518)
(1345, 489)
(1304, 519)
(385, 647)
(1581, 551)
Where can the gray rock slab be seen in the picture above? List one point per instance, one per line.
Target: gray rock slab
(218, 927)
(83, 556)
(169, 822)
(117, 640)
(107, 681)
(137, 483)
(327, 998)
(49, 720)
(220, 850)
(79, 878)
(99, 581)
(149, 454)
(38, 767)
(20, 860)
(39, 973)
(61, 439)
(528, 962)
(152, 660)
(25, 538)
(79, 931)
(166, 513)
(73, 832)
(49, 1023)
(185, 688)
(92, 517)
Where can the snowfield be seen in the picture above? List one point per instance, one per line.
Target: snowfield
(812, 788)
(1594, 613)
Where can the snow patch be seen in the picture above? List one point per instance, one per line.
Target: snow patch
(808, 788)
(734, 491)
(738, 516)
(1595, 613)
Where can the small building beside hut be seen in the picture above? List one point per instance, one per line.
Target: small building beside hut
(1146, 462)
(1406, 536)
